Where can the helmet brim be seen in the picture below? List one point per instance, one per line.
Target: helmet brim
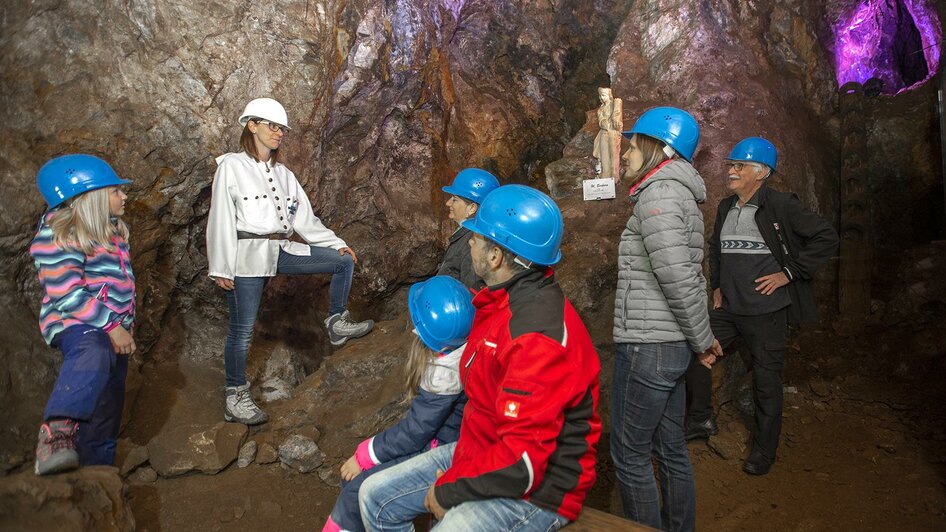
(470, 223)
(449, 189)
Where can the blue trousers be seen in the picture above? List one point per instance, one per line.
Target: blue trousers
(91, 390)
(648, 398)
(346, 513)
(391, 499)
(243, 301)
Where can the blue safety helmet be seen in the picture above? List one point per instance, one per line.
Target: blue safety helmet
(522, 220)
(755, 149)
(674, 127)
(472, 184)
(442, 312)
(68, 176)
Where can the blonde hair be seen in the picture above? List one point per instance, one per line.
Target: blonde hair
(86, 222)
(653, 154)
(418, 358)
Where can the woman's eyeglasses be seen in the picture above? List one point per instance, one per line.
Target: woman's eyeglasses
(274, 127)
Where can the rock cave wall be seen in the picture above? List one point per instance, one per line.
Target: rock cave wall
(387, 100)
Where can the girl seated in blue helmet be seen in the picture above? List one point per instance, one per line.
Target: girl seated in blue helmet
(441, 309)
(467, 191)
(88, 310)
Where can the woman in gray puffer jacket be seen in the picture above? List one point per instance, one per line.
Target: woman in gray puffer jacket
(660, 319)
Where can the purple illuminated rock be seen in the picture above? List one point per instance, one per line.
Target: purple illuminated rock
(898, 43)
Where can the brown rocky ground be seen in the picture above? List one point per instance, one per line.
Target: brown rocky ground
(860, 451)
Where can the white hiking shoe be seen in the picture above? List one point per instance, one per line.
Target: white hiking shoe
(341, 329)
(241, 408)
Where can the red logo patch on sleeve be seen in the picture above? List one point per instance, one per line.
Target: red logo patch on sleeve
(512, 409)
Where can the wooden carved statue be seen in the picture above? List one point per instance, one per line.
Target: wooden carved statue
(607, 149)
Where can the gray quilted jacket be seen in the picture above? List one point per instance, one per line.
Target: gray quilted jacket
(661, 295)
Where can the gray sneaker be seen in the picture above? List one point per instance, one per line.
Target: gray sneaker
(241, 408)
(56, 449)
(341, 329)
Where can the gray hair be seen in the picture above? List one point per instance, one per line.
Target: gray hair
(761, 166)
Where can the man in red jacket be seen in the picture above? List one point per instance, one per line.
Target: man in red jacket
(527, 449)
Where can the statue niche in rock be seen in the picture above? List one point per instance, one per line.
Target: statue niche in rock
(607, 148)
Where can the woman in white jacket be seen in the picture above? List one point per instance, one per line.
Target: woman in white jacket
(257, 206)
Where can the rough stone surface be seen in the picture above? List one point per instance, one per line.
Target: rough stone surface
(365, 377)
(275, 390)
(564, 176)
(90, 498)
(682, 54)
(135, 457)
(283, 370)
(725, 448)
(247, 454)
(267, 454)
(301, 453)
(185, 448)
(144, 475)
(388, 100)
(330, 476)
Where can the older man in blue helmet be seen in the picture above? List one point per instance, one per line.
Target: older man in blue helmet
(764, 252)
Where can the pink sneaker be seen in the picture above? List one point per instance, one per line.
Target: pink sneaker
(56, 449)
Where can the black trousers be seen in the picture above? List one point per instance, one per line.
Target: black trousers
(766, 337)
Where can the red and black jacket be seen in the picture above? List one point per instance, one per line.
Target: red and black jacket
(531, 425)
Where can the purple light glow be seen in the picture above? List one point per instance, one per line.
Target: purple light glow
(887, 40)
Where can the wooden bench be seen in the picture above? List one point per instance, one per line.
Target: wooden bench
(592, 520)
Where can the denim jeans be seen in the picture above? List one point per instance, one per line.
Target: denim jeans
(346, 512)
(243, 301)
(90, 389)
(648, 398)
(391, 499)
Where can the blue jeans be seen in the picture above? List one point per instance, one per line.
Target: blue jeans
(243, 301)
(90, 389)
(391, 499)
(346, 512)
(648, 398)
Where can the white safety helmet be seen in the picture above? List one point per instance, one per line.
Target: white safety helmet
(267, 109)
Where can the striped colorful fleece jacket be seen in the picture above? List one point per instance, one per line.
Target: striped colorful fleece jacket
(96, 290)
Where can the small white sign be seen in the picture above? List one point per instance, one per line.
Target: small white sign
(598, 189)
